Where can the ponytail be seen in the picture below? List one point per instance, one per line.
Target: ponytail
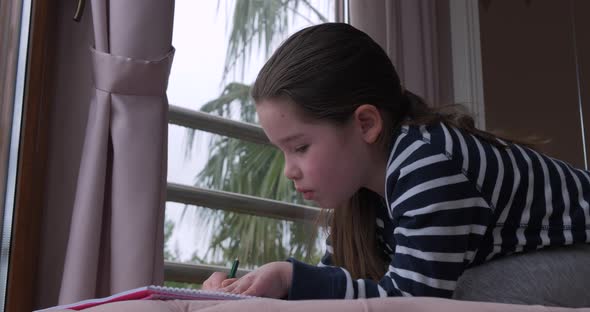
(456, 115)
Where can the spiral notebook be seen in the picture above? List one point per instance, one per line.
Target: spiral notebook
(152, 293)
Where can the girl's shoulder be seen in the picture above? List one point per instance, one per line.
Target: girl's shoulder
(413, 142)
(443, 138)
(433, 137)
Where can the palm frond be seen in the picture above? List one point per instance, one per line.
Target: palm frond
(262, 23)
(254, 21)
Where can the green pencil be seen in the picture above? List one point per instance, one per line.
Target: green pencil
(234, 268)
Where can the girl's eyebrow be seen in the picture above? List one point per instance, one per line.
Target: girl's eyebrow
(290, 138)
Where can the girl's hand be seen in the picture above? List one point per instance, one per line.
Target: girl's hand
(217, 280)
(271, 280)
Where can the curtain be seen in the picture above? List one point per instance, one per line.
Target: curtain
(116, 231)
(416, 36)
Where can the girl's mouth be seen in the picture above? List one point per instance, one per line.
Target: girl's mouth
(308, 195)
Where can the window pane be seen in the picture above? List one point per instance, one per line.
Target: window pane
(212, 71)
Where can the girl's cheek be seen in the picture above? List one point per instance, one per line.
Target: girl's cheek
(309, 164)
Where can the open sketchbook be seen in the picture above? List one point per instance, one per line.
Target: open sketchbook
(152, 293)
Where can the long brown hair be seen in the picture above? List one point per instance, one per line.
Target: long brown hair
(329, 70)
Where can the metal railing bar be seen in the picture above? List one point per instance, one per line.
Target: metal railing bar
(240, 203)
(215, 124)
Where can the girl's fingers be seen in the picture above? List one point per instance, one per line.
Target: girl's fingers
(230, 287)
(241, 286)
(239, 289)
(251, 291)
(214, 281)
(228, 282)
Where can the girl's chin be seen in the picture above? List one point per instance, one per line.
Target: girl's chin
(326, 205)
(318, 203)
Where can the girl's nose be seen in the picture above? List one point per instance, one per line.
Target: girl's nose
(291, 171)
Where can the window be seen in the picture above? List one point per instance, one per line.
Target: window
(220, 47)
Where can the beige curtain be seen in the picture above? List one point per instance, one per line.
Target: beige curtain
(416, 36)
(116, 230)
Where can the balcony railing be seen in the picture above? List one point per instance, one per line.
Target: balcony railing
(190, 195)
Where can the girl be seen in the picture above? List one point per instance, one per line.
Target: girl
(417, 195)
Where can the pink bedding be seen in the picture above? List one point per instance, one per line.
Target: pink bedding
(365, 305)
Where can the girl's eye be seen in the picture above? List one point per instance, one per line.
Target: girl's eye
(301, 149)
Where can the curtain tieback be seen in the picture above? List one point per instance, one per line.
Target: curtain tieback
(128, 76)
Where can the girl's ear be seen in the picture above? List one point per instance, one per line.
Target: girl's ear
(369, 120)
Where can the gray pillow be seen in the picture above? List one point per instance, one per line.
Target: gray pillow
(551, 276)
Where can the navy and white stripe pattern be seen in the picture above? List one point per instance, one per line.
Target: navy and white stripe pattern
(455, 201)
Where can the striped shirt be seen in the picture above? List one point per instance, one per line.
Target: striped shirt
(455, 201)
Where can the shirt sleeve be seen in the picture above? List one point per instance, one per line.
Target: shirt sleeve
(439, 218)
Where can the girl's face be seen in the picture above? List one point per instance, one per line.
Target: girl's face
(326, 162)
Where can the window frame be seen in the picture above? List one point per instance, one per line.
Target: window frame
(32, 155)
